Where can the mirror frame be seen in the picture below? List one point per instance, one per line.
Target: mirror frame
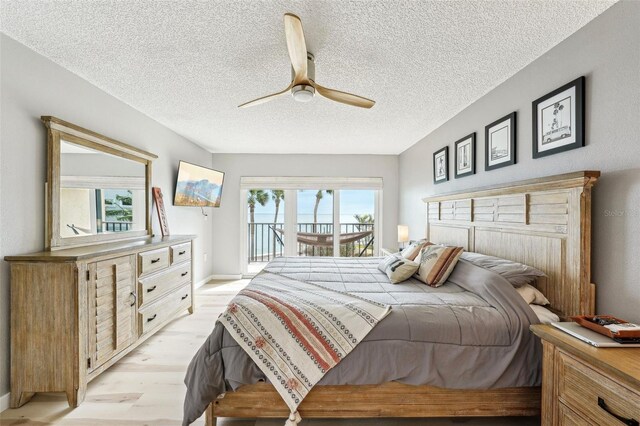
(60, 130)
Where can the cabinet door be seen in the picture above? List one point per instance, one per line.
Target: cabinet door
(112, 308)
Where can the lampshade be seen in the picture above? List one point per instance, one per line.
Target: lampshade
(403, 233)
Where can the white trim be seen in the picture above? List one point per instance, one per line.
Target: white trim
(336, 223)
(4, 401)
(202, 282)
(311, 182)
(291, 222)
(220, 277)
(243, 264)
(377, 223)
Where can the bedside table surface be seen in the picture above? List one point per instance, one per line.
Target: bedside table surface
(622, 362)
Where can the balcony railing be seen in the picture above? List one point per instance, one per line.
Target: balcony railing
(117, 226)
(266, 240)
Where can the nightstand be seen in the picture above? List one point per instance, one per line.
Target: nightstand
(387, 252)
(582, 384)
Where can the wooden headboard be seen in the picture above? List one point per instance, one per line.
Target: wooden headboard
(545, 223)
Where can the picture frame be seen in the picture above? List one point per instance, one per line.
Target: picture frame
(465, 156)
(162, 215)
(558, 120)
(500, 142)
(441, 165)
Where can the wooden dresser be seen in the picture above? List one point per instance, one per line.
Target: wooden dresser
(75, 312)
(585, 385)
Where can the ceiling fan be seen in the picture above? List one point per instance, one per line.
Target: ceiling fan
(303, 73)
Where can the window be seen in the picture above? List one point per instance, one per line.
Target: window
(308, 217)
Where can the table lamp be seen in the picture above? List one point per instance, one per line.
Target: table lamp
(403, 234)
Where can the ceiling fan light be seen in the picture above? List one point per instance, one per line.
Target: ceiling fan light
(303, 92)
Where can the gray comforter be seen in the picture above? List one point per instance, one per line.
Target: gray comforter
(472, 332)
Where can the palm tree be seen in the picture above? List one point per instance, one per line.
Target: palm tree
(315, 208)
(255, 196)
(363, 218)
(277, 195)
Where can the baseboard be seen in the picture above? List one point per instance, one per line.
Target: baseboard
(203, 282)
(226, 277)
(4, 401)
(216, 277)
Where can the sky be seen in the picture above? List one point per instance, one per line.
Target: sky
(351, 202)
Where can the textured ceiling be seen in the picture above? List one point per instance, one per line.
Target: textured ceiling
(188, 64)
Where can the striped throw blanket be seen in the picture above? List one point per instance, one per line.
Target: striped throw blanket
(297, 331)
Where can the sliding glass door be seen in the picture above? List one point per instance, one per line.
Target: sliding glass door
(357, 222)
(265, 226)
(331, 219)
(315, 222)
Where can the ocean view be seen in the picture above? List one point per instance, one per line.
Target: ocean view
(354, 204)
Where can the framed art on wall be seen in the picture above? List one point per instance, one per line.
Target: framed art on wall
(500, 142)
(558, 120)
(465, 156)
(441, 165)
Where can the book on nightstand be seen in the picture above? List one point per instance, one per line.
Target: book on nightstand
(590, 336)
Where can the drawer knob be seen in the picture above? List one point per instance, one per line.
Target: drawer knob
(184, 274)
(181, 252)
(628, 422)
(149, 290)
(155, 260)
(184, 297)
(135, 298)
(152, 318)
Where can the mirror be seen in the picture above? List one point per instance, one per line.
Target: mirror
(99, 192)
(98, 187)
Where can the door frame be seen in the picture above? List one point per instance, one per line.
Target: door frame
(291, 186)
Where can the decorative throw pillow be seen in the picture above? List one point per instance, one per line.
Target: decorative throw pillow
(516, 273)
(532, 295)
(413, 249)
(397, 268)
(436, 263)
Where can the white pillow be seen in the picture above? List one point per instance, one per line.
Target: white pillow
(397, 268)
(532, 295)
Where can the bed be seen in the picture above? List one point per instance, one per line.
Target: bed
(544, 223)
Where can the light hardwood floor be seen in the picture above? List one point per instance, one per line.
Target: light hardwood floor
(146, 387)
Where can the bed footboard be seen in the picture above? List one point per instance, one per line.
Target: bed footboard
(387, 400)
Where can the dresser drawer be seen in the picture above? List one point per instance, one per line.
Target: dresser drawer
(164, 308)
(180, 253)
(566, 417)
(150, 261)
(155, 286)
(593, 394)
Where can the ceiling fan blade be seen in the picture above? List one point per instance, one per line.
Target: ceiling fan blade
(297, 46)
(265, 98)
(343, 97)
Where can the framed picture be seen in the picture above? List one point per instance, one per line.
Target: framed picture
(465, 156)
(500, 142)
(441, 165)
(558, 120)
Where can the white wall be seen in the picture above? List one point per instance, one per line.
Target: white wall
(31, 86)
(607, 52)
(226, 219)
